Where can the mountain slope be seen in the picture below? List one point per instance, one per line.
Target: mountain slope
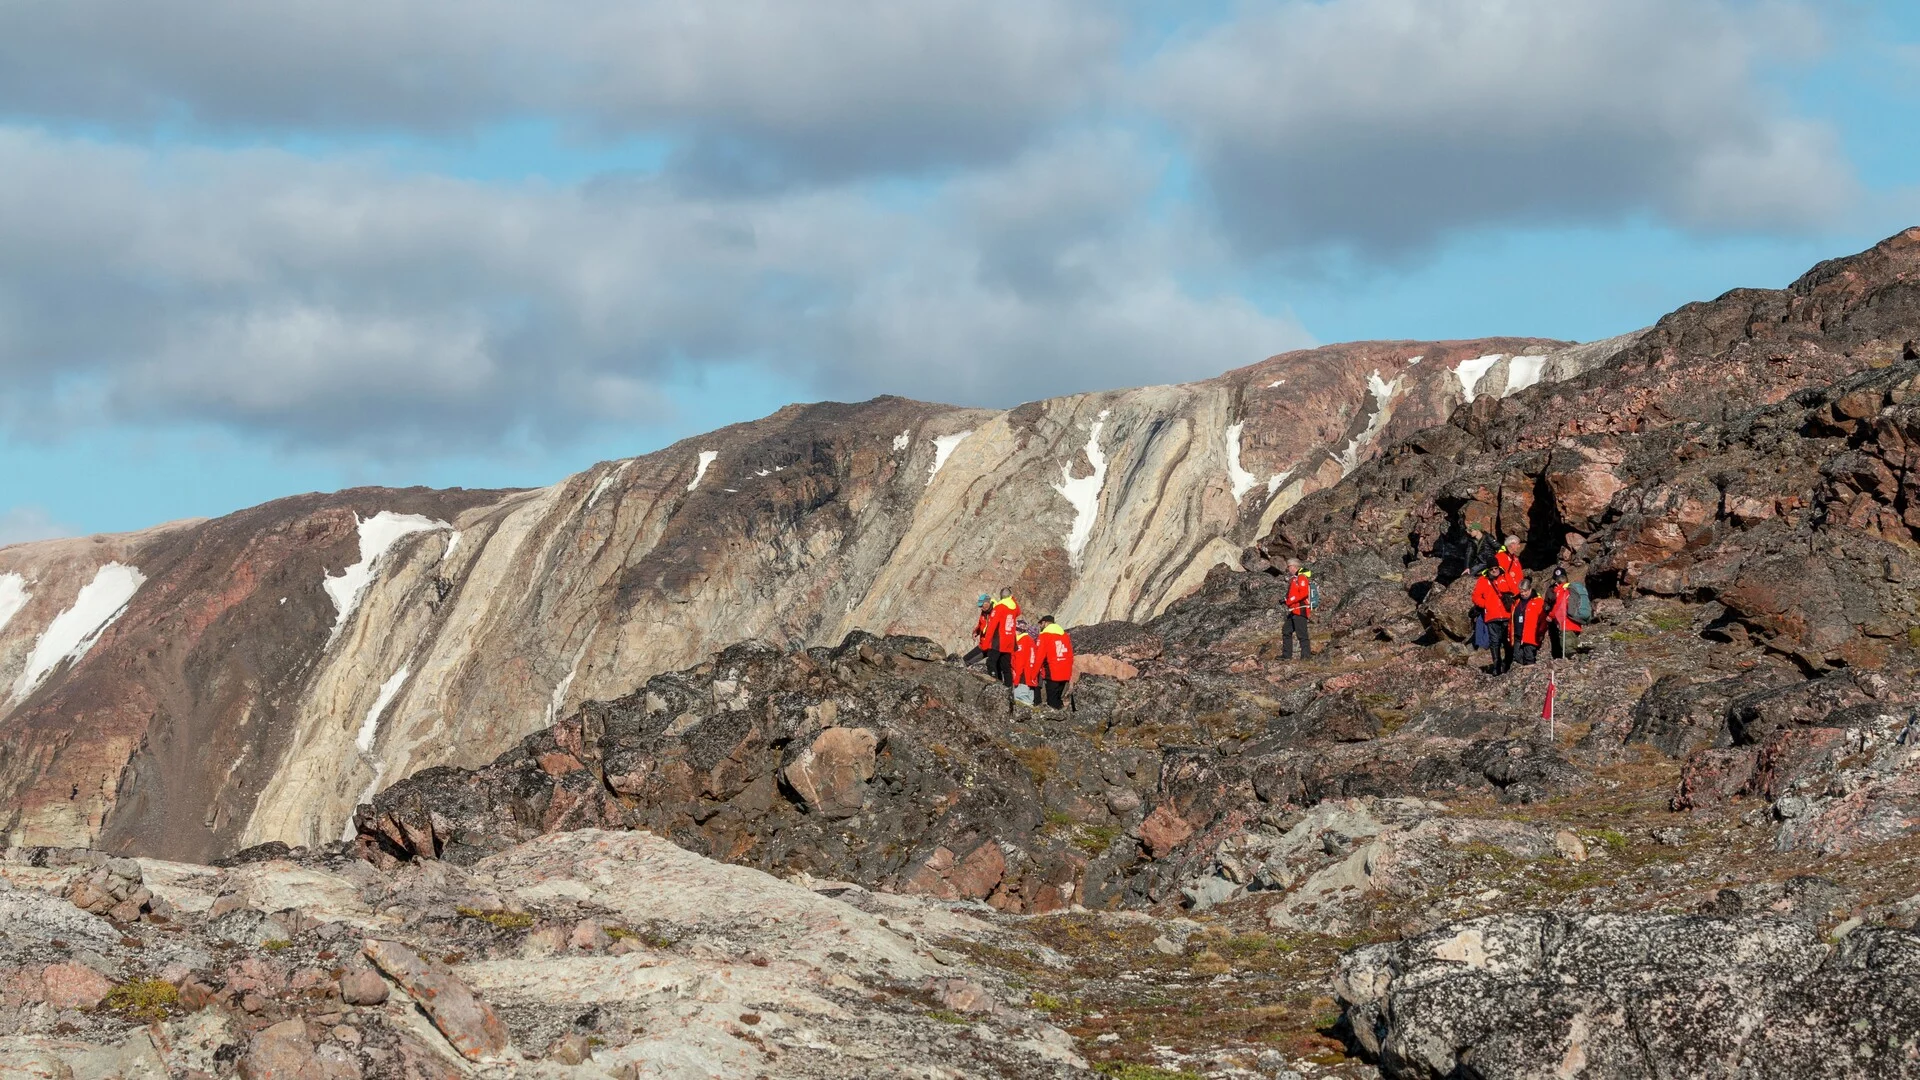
(272, 668)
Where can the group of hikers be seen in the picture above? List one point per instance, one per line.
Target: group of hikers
(1034, 660)
(1512, 619)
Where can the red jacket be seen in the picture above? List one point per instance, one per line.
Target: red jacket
(1559, 616)
(983, 630)
(1489, 599)
(1530, 626)
(1300, 594)
(1005, 624)
(1056, 653)
(1510, 572)
(1026, 663)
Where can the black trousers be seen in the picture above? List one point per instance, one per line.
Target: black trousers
(1563, 641)
(1499, 645)
(1001, 667)
(1056, 692)
(1526, 654)
(1296, 627)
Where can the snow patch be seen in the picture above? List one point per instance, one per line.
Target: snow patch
(1470, 372)
(1415, 360)
(1383, 394)
(613, 475)
(903, 440)
(453, 542)
(943, 448)
(13, 597)
(1084, 493)
(1277, 479)
(366, 795)
(1522, 372)
(378, 534)
(559, 698)
(370, 727)
(1276, 383)
(700, 473)
(74, 631)
(1243, 481)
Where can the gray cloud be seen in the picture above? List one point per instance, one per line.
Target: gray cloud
(24, 524)
(344, 304)
(753, 90)
(1382, 125)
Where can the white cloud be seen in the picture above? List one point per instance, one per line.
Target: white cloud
(1385, 124)
(342, 303)
(24, 524)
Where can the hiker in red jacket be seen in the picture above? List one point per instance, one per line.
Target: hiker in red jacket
(1026, 664)
(1056, 660)
(1511, 573)
(1003, 629)
(1563, 603)
(982, 651)
(1529, 623)
(1492, 602)
(1301, 599)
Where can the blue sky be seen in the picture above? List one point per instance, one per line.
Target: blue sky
(248, 252)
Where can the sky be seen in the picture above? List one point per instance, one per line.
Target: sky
(250, 250)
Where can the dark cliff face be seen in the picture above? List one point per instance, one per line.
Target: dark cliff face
(1753, 452)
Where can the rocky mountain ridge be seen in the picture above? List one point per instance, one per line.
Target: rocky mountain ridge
(209, 685)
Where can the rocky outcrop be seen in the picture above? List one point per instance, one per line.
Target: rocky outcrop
(218, 684)
(1635, 996)
(584, 955)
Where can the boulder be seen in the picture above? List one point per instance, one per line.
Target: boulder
(467, 1022)
(1632, 996)
(831, 774)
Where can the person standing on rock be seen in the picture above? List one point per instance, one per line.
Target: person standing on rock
(1529, 623)
(1511, 573)
(1005, 631)
(1481, 550)
(1492, 602)
(1056, 660)
(982, 651)
(1026, 664)
(1303, 596)
(1567, 606)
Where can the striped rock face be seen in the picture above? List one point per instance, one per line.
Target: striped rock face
(205, 685)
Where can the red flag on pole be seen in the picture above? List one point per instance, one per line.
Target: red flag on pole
(1553, 691)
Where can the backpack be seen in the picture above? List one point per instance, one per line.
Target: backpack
(1313, 595)
(1579, 604)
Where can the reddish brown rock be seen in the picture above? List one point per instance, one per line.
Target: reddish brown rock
(1164, 830)
(467, 1022)
(362, 986)
(74, 986)
(831, 774)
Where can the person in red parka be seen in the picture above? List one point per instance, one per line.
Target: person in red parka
(1026, 664)
(1529, 623)
(1003, 628)
(1300, 600)
(1056, 660)
(1492, 602)
(982, 651)
(1511, 573)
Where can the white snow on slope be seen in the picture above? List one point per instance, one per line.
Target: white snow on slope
(559, 699)
(903, 440)
(1243, 481)
(370, 727)
(1522, 372)
(1470, 372)
(1414, 360)
(378, 534)
(13, 597)
(73, 632)
(1274, 481)
(1383, 394)
(1084, 493)
(606, 482)
(943, 448)
(1276, 383)
(452, 542)
(699, 474)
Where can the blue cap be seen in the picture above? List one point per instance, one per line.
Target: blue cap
(983, 598)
